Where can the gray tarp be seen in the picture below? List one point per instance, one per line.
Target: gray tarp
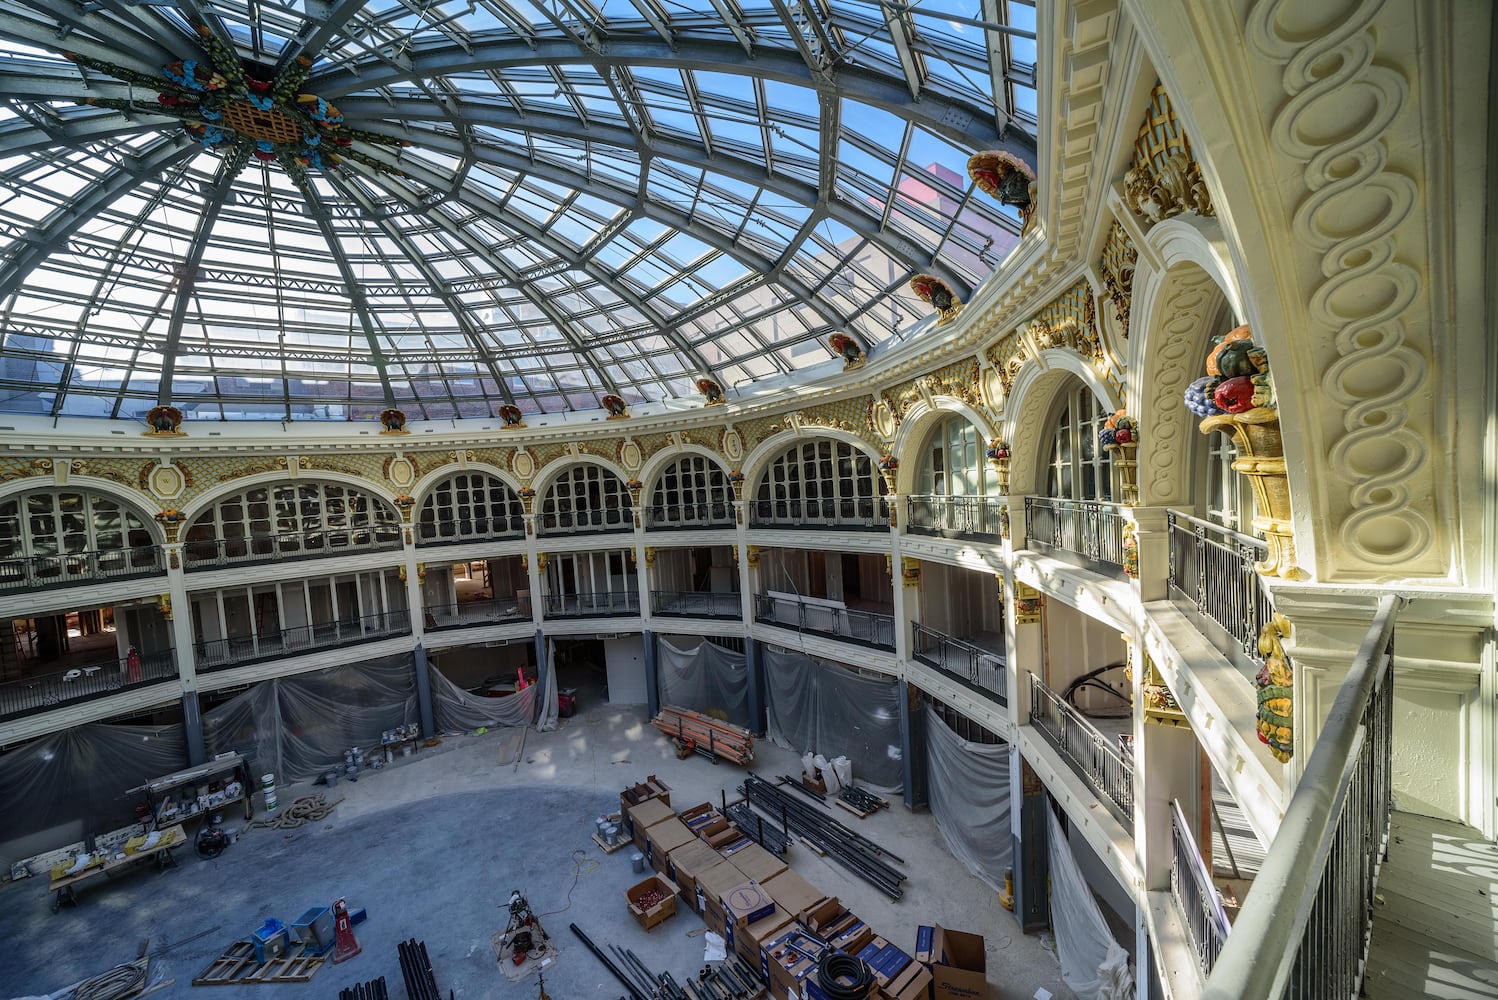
(704, 677)
(828, 709)
(968, 785)
(458, 711)
(1093, 964)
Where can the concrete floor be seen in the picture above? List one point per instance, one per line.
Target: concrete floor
(432, 847)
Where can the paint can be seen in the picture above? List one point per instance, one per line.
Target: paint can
(638, 862)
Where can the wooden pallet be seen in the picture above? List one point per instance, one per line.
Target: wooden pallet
(237, 967)
(860, 813)
(611, 848)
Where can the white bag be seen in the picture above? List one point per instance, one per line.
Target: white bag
(828, 775)
(843, 768)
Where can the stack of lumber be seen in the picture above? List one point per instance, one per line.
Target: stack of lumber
(706, 735)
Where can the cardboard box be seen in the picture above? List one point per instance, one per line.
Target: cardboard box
(820, 914)
(686, 862)
(645, 815)
(719, 833)
(884, 959)
(747, 902)
(649, 916)
(850, 934)
(756, 863)
(956, 961)
(750, 938)
(786, 961)
(663, 838)
(711, 885)
(913, 983)
(651, 788)
(791, 892)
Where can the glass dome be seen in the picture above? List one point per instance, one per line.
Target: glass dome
(319, 209)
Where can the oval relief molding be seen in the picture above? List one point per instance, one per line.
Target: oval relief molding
(733, 445)
(167, 482)
(523, 464)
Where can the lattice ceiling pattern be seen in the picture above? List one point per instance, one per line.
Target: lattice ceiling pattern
(545, 203)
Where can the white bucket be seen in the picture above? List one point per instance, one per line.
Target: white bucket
(270, 800)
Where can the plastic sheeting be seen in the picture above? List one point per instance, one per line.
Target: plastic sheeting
(458, 711)
(546, 718)
(1093, 964)
(968, 786)
(830, 710)
(298, 727)
(706, 678)
(69, 786)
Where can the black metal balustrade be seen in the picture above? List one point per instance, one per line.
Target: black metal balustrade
(210, 553)
(1194, 894)
(467, 613)
(690, 515)
(868, 627)
(1091, 755)
(217, 654)
(977, 668)
(695, 604)
(1090, 529)
(465, 529)
(1212, 573)
(855, 514)
(952, 516)
(41, 692)
(1303, 930)
(75, 569)
(611, 519)
(602, 604)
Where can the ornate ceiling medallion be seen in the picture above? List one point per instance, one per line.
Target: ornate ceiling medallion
(247, 107)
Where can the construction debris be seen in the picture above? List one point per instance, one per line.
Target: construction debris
(703, 734)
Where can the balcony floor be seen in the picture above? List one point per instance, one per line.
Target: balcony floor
(1435, 921)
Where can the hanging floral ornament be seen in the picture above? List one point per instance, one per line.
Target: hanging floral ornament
(164, 421)
(932, 289)
(511, 415)
(615, 405)
(711, 391)
(848, 349)
(1007, 178)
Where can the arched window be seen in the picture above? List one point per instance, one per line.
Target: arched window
(587, 497)
(470, 505)
(954, 482)
(52, 538)
(821, 484)
(692, 492)
(290, 520)
(1078, 469)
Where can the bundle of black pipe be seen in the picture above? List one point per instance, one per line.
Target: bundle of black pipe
(855, 852)
(634, 991)
(861, 800)
(769, 837)
(416, 970)
(372, 990)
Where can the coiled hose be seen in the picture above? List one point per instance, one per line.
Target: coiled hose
(834, 968)
(120, 981)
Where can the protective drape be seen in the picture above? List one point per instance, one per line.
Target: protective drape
(298, 727)
(1093, 964)
(830, 710)
(457, 711)
(65, 787)
(546, 717)
(704, 677)
(968, 787)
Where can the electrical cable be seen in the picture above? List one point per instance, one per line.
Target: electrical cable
(581, 865)
(834, 967)
(121, 981)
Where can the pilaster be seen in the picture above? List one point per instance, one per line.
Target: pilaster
(1152, 543)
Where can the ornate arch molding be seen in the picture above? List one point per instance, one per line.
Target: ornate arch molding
(772, 447)
(546, 477)
(658, 462)
(1035, 390)
(919, 420)
(140, 504)
(192, 511)
(421, 490)
(1174, 303)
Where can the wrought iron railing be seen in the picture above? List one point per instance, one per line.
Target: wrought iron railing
(1212, 571)
(868, 627)
(40, 692)
(944, 515)
(866, 514)
(77, 568)
(976, 667)
(466, 613)
(1088, 528)
(602, 604)
(609, 519)
(217, 654)
(1195, 896)
(209, 553)
(694, 604)
(1304, 926)
(1093, 756)
(690, 515)
(463, 529)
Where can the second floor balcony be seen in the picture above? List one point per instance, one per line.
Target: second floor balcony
(1097, 759)
(869, 514)
(696, 604)
(871, 628)
(75, 569)
(213, 553)
(978, 667)
(218, 654)
(485, 611)
(1086, 531)
(602, 604)
(953, 517)
(690, 515)
(1213, 580)
(41, 692)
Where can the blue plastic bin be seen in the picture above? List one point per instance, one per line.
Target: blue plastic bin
(314, 929)
(271, 940)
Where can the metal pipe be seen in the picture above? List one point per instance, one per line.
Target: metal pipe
(607, 964)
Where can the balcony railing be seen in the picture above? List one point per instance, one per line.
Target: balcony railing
(209, 553)
(40, 692)
(977, 668)
(690, 515)
(1090, 529)
(693, 604)
(603, 604)
(77, 568)
(1091, 755)
(952, 516)
(467, 613)
(1303, 929)
(1195, 896)
(868, 627)
(610, 519)
(217, 654)
(868, 514)
(1212, 572)
(468, 529)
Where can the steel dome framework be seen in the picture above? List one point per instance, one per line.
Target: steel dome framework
(617, 198)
